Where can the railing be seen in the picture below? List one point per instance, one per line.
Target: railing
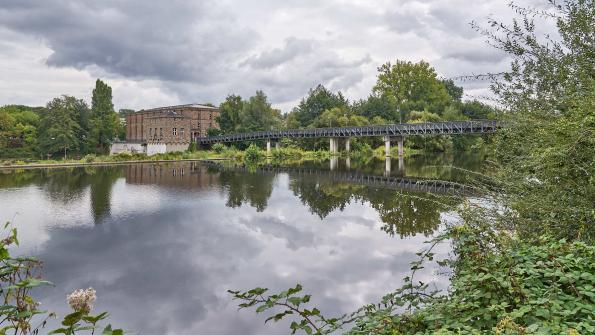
(403, 129)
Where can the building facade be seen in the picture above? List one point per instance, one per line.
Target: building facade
(171, 124)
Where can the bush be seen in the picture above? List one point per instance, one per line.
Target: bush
(90, 158)
(219, 147)
(253, 153)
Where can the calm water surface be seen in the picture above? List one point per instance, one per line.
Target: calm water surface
(162, 243)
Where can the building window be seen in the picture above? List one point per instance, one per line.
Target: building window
(160, 132)
(182, 132)
(174, 131)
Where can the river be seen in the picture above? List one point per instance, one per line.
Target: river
(162, 243)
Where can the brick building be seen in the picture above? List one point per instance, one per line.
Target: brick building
(171, 124)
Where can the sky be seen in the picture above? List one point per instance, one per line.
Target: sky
(157, 53)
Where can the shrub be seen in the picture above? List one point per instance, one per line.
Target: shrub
(253, 153)
(90, 158)
(219, 147)
(192, 147)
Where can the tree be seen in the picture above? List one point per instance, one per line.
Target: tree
(229, 114)
(257, 114)
(413, 86)
(104, 120)
(477, 110)
(546, 148)
(318, 100)
(455, 92)
(339, 117)
(383, 106)
(59, 128)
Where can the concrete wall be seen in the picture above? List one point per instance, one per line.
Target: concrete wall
(156, 148)
(117, 148)
(173, 147)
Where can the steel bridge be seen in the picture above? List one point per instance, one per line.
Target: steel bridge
(391, 130)
(398, 183)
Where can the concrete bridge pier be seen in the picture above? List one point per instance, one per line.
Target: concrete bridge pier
(347, 144)
(387, 146)
(400, 143)
(334, 146)
(268, 148)
(348, 163)
(277, 145)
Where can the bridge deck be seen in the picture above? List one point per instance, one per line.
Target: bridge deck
(403, 129)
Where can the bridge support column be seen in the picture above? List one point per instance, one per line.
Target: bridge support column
(400, 141)
(277, 145)
(268, 148)
(386, 146)
(348, 163)
(333, 145)
(347, 144)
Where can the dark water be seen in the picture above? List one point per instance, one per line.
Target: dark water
(162, 243)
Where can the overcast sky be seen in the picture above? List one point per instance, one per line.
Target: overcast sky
(156, 53)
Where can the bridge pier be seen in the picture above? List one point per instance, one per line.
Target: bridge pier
(268, 148)
(334, 146)
(277, 145)
(347, 144)
(387, 147)
(400, 143)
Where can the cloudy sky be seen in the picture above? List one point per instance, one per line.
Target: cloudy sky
(170, 52)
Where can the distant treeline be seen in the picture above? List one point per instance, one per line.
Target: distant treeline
(404, 92)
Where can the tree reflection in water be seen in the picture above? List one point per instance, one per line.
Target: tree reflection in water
(404, 212)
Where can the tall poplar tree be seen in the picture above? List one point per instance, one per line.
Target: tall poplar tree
(104, 120)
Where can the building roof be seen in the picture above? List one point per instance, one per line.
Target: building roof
(179, 106)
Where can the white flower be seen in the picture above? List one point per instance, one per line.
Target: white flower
(82, 300)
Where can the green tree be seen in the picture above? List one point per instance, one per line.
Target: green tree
(546, 148)
(59, 127)
(477, 110)
(230, 111)
(413, 86)
(455, 92)
(257, 114)
(104, 121)
(318, 100)
(383, 106)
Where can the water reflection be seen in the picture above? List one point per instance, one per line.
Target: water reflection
(174, 237)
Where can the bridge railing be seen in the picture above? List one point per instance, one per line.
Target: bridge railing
(402, 129)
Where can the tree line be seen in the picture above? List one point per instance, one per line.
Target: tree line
(65, 126)
(404, 92)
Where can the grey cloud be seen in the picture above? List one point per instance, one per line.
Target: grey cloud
(293, 48)
(404, 22)
(177, 41)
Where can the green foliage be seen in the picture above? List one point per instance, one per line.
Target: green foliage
(60, 129)
(104, 121)
(230, 111)
(219, 147)
(499, 283)
(412, 86)
(257, 114)
(253, 154)
(546, 149)
(19, 313)
(318, 100)
(192, 147)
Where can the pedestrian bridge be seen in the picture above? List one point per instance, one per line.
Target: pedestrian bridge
(389, 132)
